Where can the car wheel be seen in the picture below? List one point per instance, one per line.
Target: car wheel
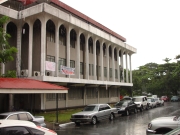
(77, 123)
(111, 116)
(147, 106)
(135, 110)
(127, 112)
(94, 120)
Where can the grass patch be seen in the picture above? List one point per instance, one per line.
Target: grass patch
(63, 115)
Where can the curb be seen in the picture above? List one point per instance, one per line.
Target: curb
(65, 124)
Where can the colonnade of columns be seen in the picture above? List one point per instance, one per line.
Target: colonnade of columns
(79, 32)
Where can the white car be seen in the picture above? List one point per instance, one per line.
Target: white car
(19, 127)
(141, 102)
(151, 102)
(162, 125)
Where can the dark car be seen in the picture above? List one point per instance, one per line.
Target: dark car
(165, 98)
(126, 107)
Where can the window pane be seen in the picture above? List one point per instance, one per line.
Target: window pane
(23, 116)
(13, 117)
(36, 132)
(16, 131)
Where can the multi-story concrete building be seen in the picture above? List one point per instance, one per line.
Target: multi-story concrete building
(51, 32)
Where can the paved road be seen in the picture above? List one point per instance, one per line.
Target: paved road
(135, 124)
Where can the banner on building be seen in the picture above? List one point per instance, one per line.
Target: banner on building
(67, 70)
(50, 66)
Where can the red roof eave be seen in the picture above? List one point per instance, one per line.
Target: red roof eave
(79, 14)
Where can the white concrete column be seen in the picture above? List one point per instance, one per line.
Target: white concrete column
(68, 46)
(87, 56)
(101, 61)
(127, 78)
(43, 46)
(118, 73)
(113, 67)
(2, 64)
(94, 58)
(122, 65)
(130, 64)
(107, 56)
(30, 48)
(78, 55)
(18, 58)
(57, 24)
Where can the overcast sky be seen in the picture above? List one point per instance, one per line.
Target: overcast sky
(151, 26)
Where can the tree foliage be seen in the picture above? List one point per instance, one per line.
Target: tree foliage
(6, 51)
(157, 79)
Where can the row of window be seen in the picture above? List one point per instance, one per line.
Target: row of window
(62, 61)
(78, 93)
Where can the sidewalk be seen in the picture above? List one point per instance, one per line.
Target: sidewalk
(54, 126)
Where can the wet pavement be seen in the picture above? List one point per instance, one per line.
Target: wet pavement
(134, 124)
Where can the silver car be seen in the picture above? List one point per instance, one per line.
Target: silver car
(94, 113)
(23, 115)
(162, 125)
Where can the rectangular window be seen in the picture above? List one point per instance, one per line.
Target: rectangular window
(72, 63)
(116, 74)
(81, 46)
(91, 93)
(103, 93)
(105, 71)
(50, 58)
(89, 69)
(61, 62)
(81, 68)
(52, 96)
(99, 70)
(75, 93)
(92, 69)
(110, 72)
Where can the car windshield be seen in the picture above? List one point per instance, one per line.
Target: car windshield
(121, 103)
(137, 99)
(91, 108)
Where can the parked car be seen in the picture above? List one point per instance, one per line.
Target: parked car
(158, 102)
(94, 113)
(19, 127)
(165, 98)
(141, 102)
(23, 115)
(175, 99)
(152, 102)
(161, 102)
(126, 107)
(127, 98)
(163, 125)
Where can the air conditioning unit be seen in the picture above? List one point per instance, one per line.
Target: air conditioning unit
(24, 72)
(49, 73)
(37, 73)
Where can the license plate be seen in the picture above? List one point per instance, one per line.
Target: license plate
(78, 121)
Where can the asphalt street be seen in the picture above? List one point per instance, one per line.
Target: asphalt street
(134, 124)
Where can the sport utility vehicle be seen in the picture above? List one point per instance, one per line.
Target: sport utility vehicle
(141, 102)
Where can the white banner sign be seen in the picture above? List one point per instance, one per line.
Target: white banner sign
(67, 70)
(50, 65)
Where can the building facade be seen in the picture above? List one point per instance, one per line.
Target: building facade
(49, 31)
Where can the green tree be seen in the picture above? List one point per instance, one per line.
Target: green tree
(6, 51)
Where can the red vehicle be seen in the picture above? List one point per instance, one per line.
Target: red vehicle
(165, 98)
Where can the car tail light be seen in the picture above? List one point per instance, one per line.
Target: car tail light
(47, 129)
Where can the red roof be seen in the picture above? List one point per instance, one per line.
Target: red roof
(22, 83)
(27, 2)
(88, 19)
